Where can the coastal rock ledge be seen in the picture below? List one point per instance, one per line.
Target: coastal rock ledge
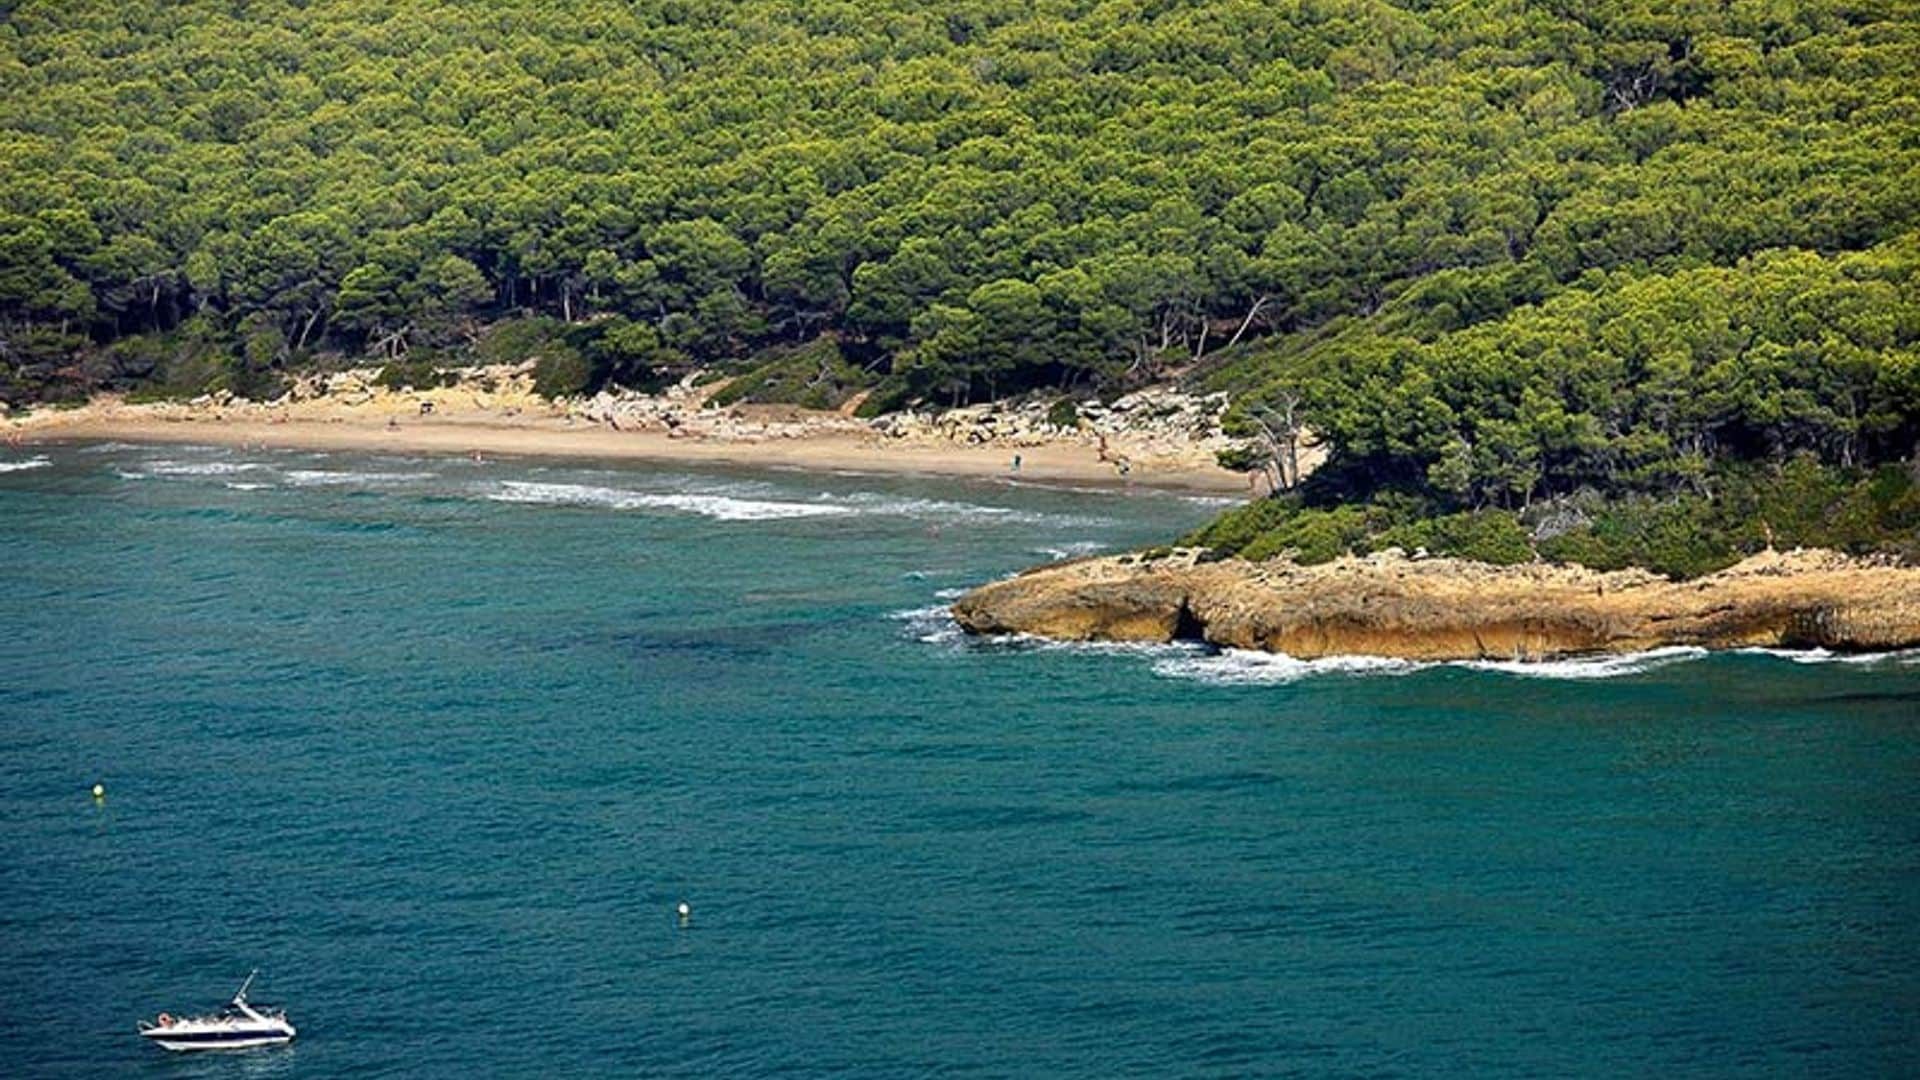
(1449, 609)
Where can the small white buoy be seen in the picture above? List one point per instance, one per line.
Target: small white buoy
(99, 791)
(686, 912)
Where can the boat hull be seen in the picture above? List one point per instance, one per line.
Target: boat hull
(218, 1040)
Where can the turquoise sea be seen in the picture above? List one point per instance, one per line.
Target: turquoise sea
(438, 746)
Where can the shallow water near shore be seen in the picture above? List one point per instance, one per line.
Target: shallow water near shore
(438, 745)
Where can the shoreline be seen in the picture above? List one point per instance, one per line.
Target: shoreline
(1064, 462)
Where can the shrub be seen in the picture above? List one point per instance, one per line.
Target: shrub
(416, 374)
(1064, 414)
(1313, 536)
(561, 372)
(1677, 537)
(249, 380)
(1235, 529)
(516, 341)
(813, 376)
(891, 394)
(1490, 536)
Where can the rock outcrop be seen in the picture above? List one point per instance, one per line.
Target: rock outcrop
(1154, 425)
(1155, 420)
(1448, 609)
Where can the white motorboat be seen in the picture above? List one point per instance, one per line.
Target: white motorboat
(241, 1024)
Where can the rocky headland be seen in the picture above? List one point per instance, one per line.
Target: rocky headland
(1447, 609)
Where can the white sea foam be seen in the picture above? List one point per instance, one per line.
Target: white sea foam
(20, 466)
(949, 594)
(933, 625)
(719, 507)
(1240, 667)
(247, 487)
(899, 506)
(330, 477)
(1073, 550)
(201, 468)
(1901, 657)
(945, 510)
(1590, 667)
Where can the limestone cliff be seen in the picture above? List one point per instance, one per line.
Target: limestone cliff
(1448, 609)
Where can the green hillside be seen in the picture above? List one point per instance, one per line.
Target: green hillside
(1495, 254)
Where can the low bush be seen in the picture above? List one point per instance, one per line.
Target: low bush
(1313, 536)
(419, 373)
(891, 394)
(1490, 536)
(561, 372)
(813, 376)
(1234, 530)
(515, 341)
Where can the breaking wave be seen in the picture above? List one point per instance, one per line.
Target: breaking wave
(1903, 657)
(29, 463)
(1240, 667)
(755, 503)
(330, 477)
(902, 506)
(933, 625)
(718, 507)
(201, 468)
(1589, 667)
(1199, 662)
(945, 510)
(1076, 549)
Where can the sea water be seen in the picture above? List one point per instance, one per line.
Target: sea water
(440, 746)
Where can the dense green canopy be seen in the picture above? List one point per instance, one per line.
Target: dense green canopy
(1497, 251)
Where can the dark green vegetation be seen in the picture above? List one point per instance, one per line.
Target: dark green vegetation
(1665, 418)
(816, 375)
(1745, 507)
(1626, 259)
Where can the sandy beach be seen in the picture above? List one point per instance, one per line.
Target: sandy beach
(1067, 464)
(511, 421)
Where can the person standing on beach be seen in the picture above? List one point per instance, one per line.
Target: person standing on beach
(1016, 464)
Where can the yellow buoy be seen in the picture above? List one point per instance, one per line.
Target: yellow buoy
(99, 791)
